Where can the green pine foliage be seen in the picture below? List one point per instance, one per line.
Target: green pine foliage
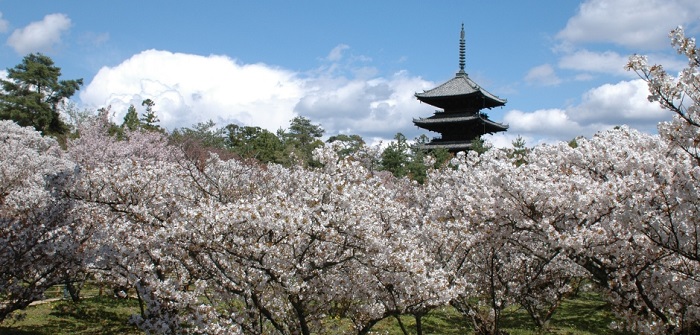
(33, 94)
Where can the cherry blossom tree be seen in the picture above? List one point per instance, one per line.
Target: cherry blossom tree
(680, 94)
(669, 211)
(298, 246)
(493, 214)
(133, 191)
(40, 239)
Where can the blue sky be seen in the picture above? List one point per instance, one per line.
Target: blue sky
(353, 67)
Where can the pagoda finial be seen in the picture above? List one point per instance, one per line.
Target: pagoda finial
(462, 49)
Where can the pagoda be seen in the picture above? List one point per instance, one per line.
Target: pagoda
(460, 120)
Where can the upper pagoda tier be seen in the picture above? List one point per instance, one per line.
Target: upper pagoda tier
(458, 93)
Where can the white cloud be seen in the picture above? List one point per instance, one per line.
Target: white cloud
(603, 107)
(375, 107)
(189, 88)
(607, 62)
(506, 139)
(631, 23)
(622, 103)
(40, 36)
(544, 122)
(542, 75)
(4, 25)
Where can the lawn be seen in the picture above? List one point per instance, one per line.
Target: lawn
(96, 315)
(584, 315)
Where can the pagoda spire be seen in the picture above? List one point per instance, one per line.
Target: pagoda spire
(462, 49)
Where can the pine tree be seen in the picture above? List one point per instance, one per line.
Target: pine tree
(33, 94)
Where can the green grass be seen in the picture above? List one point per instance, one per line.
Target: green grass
(96, 315)
(585, 315)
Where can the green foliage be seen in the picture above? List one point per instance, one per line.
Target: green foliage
(293, 146)
(349, 143)
(33, 94)
(573, 143)
(409, 160)
(395, 157)
(149, 120)
(417, 170)
(519, 151)
(299, 141)
(479, 146)
(205, 133)
(442, 156)
(254, 142)
(131, 119)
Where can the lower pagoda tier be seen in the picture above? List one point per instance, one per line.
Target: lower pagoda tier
(456, 127)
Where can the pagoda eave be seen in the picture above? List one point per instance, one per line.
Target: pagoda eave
(451, 102)
(440, 124)
(457, 88)
(452, 146)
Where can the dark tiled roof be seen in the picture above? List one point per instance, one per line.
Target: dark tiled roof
(431, 120)
(461, 84)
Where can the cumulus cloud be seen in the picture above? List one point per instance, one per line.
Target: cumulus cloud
(378, 107)
(622, 103)
(631, 23)
(586, 43)
(542, 75)
(548, 122)
(603, 107)
(607, 62)
(190, 88)
(40, 36)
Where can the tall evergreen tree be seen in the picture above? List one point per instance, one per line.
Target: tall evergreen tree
(395, 158)
(33, 94)
(301, 139)
(519, 151)
(149, 120)
(131, 119)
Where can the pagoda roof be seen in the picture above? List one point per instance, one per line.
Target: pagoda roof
(435, 123)
(459, 86)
